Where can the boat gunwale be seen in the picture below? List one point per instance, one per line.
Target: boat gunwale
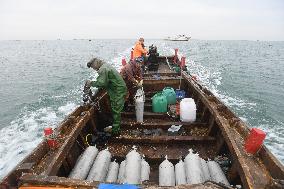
(207, 97)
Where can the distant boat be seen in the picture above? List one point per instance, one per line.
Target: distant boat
(178, 38)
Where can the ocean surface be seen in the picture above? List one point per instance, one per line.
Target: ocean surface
(41, 82)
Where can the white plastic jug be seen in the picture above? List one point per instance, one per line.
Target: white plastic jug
(187, 110)
(139, 105)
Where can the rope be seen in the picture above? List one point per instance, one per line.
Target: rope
(168, 63)
(80, 145)
(180, 78)
(97, 101)
(86, 139)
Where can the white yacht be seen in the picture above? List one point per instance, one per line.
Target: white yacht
(178, 38)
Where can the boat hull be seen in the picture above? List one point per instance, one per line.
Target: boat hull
(217, 131)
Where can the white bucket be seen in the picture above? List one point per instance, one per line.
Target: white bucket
(139, 105)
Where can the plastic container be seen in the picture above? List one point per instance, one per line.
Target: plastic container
(254, 141)
(133, 167)
(216, 173)
(187, 110)
(84, 163)
(177, 69)
(180, 94)
(100, 167)
(180, 173)
(170, 94)
(166, 173)
(112, 172)
(139, 105)
(159, 103)
(193, 170)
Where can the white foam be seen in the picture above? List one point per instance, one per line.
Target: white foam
(67, 109)
(26, 132)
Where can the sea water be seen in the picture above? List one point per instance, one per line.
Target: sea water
(42, 81)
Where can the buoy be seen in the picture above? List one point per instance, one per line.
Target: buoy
(205, 170)
(100, 167)
(193, 170)
(180, 173)
(112, 172)
(166, 173)
(123, 62)
(175, 57)
(121, 173)
(182, 62)
(145, 170)
(133, 167)
(216, 173)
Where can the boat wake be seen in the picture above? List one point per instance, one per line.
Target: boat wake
(25, 132)
(247, 111)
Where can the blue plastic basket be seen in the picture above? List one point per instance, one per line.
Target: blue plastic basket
(180, 94)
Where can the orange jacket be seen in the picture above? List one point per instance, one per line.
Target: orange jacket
(138, 50)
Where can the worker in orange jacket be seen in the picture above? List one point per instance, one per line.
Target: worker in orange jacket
(139, 49)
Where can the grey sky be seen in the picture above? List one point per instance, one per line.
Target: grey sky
(201, 19)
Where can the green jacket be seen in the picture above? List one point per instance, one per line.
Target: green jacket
(111, 80)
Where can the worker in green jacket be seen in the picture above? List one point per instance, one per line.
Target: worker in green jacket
(109, 79)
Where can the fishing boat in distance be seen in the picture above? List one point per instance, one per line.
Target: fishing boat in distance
(216, 134)
(178, 38)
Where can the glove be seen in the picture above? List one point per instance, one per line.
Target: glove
(136, 83)
(108, 129)
(115, 130)
(88, 83)
(140, 84)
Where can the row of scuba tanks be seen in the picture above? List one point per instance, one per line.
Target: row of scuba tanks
(93, 165)
(193, 170)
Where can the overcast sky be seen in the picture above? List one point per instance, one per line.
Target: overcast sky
(201, 19)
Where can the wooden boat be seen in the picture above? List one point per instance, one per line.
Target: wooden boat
(217, 131)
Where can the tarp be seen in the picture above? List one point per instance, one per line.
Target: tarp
(118, 186)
